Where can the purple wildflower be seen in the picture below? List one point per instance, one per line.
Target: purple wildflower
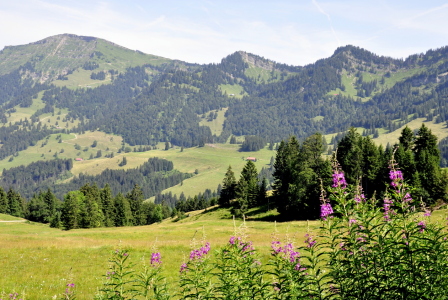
(247, 247)
(287, 253)
(198, 254)
(422, 226)
(234, 239)
(275, 245)
(427, 213)
(351, 221)
(275, 284)
(387, 208)
(339, 180)
(396, 176)
(309, 240)
(325, 210)
(183, 268)
(156, 259)
(70, 284)
(407, 198)
(360, 198)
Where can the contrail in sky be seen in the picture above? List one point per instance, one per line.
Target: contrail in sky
(329, 20)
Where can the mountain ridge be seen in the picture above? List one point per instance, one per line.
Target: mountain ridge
(98, 81)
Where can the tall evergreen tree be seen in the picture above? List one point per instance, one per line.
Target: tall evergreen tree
(52, 204)
(108, 206)
(16, 204)
(228, 191)
(350, 156)
(427, 162)
(135, 198)
(4, 205)
(91, 211)
(247, 187)
(71, 210)
(284, 174)
(297, 174)
(37, 209)
(407, 139)
(123, 214)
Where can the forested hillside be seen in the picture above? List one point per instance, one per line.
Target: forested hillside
(145, 99)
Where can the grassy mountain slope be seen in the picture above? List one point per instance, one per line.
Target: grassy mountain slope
(60, 54)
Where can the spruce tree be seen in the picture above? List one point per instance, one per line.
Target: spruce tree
(4, 205)
(91, 212)
(71, 210)
(123, 214)
(52, 204)
(15, 203)
(247, 187)
(228, 191)
(135, 198)
(427, 162)
(108, 206)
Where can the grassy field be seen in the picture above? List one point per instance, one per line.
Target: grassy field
(39, 261)
(215, 125)
(52, 120)
(211, 162)
(47, 149)
(349, 80)
(440, 130)
(233, 89)
(81, 78)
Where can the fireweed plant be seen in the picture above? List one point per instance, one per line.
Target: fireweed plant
(195, 275)
(239, 271)
(387, 251)
(122, 281)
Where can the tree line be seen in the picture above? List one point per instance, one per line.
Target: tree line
(88, 207)
(301, 172)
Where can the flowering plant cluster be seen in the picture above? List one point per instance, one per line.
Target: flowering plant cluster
(123, 282)
(195, 275)
(383, 252)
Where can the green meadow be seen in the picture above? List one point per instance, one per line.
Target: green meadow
(39, 261)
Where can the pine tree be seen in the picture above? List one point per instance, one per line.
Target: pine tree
(123, 215)
(297, 173)
(4, 205)
(284, 174)
(37, 209)
(427, 162)
(135, 198)
(91, 212)
(261, 197)
(350, 156)
(407, 139)
(228, 191)
(15, 204)
(71, 210)
(247, 187)
(108, 206)
(52, 204)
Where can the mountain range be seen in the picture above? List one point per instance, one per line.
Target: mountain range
(148, 99)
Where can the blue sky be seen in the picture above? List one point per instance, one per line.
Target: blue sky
(201, 31)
